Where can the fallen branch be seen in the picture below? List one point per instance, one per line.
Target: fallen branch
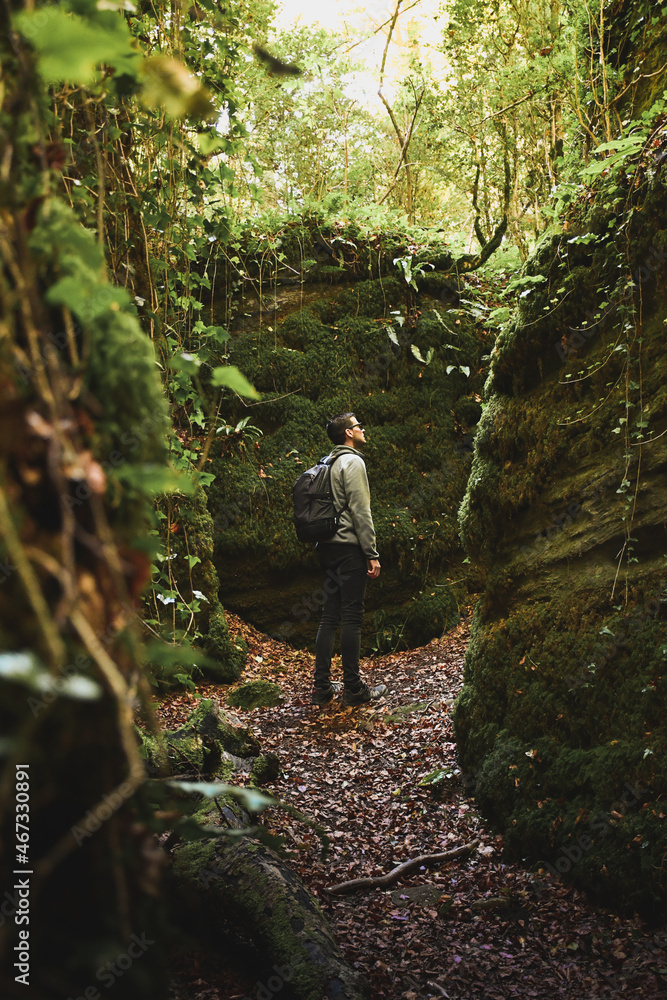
(384, 881)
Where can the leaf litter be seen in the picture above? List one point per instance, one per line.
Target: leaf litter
(477, 928)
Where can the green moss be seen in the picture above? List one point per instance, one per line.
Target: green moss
(341, 358)
(265, 769)
(256, 694)
(194, 860)
(560, 710)
(202, 745)
(424, 617)
(188, 531)
(229, 653)
(370, 298)
(589, 814)
(403, 711)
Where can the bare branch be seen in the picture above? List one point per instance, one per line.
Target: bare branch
(384, 881)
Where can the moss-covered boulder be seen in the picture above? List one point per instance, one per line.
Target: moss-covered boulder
(256, 694)
(265, 769)
(204, 745)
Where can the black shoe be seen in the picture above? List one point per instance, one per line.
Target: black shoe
(363, 695)
(318, 697)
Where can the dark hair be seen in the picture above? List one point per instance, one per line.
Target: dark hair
(337, 425)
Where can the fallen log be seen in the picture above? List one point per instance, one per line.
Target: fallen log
(248, 888)
(384, 881)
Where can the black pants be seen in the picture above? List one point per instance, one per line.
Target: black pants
(345, 568)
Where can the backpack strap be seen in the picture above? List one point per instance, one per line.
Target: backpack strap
(330, 463)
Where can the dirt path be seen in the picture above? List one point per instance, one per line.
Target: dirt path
(478, 928)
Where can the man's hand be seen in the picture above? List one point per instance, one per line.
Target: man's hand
(373, 568)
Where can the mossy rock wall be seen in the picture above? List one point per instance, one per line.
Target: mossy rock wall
(188, 581)
(337, 355)
(562, 718)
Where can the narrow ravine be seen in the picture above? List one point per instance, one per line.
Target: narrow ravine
(476, 928)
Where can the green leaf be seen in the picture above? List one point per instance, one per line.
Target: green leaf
(587, 238)
(499, 316)
(210, 142)
(203, 478)
(417, 353)
(86, 300)
(628, 142)
(252, 799)
(167, 654)
(230, 377)
(525, 281)
(70, 48)
(185, 362)
(391, 333)
(171, 86)
(151, 479)
(217, 333)
(24, 668)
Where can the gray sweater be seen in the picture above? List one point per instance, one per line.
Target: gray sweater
(349, 484)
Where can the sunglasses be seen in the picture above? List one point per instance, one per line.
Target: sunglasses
(352, 426)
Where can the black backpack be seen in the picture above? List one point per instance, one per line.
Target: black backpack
(315, 516)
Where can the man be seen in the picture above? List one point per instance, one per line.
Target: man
(348, 559)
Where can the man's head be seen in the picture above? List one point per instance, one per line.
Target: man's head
(344, 428)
